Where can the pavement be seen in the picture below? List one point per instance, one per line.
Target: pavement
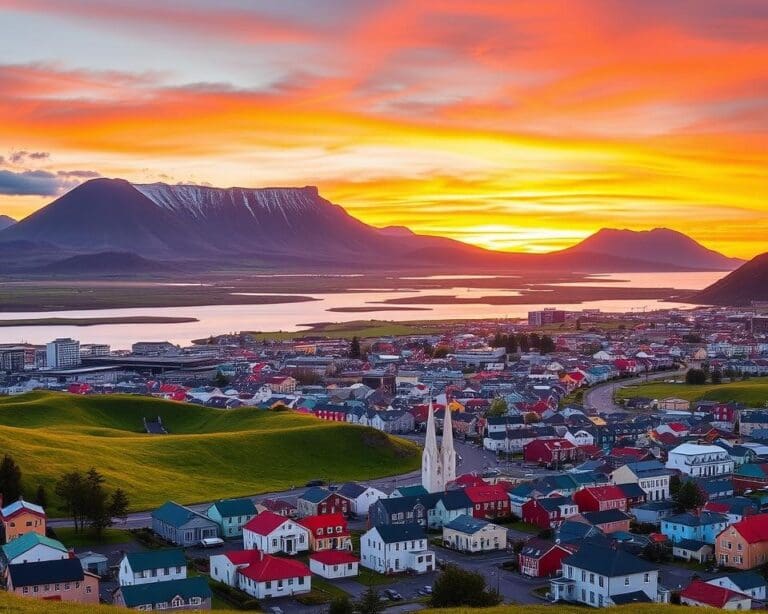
(600, 398)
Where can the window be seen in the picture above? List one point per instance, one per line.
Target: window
(47, 588)
(269, 584)
(626, 581)
(57, 587)
(25, 590)
(583, 576)
(195, 601)
(600, 582)
(591, 578)
(647, 578)
(88, 589)
(300, 580)
(66, 586)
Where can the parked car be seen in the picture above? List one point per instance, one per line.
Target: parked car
(312, 483)
(211, 542)
(392, 595)
(276, 610)
(425, 590)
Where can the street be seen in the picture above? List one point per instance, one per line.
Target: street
(600, 398)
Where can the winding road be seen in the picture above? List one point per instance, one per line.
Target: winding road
(600, 398)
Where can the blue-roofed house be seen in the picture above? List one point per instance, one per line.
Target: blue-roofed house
(703, 527)
(468, 534)
(653, 512)
(746, 582)
(174, 595)
(231, 515)
(181, 525)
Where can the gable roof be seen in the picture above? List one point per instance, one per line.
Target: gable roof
(334, 557)
(316, 494)
(467, 524)
(154, 559)
(20, 506)
(351, 490)
(324, 521)
(267, 568)
(606, 516)
(710, 594)
(608, 562)
(392, 533)
(46, 572)
(745, 580)
(235, 507)
(754, 529)
(159, 592)
(177, 515)
(265, 522)
(28, 541)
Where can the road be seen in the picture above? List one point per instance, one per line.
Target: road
(600, 398)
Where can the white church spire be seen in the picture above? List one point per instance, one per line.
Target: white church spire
(447, 451)
(431, 465)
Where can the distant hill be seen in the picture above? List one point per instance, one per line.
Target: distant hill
(104, 263)
(296, 228)
(660, 245)
(6, 221)
(746, 284)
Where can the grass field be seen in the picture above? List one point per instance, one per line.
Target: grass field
(68, 536)
(359, 328)
(209, 453)
(752, 392)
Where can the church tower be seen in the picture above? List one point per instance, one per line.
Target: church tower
(447, 452)
(431, 466)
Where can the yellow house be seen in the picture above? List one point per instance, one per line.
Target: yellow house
(20, 518)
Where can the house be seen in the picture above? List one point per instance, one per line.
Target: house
(488, 501)
(468, 534)
(152, 566)
(674, 404)
(59, 580)
(703, 527)
(548, 512)
(692, 550)
(743, 545)
(750, 476)
(600, 498)
(261, 575)
(608, 521)
(32, 548)
(284, 507)
(746, 582)
(21, 517)
(181, 525)
(700, 460)
(272, 533)
(541, 559)
(327, 532)
(551, 452)
(318, 500)
(331, 564)
(174, 595)
(94, 562)
(575, 531)
(650, 475)
(360, 497)
(231, 515)
(396, 548)
(449, 505)
(752, 420)
(633, 494)
(653, 512)
(734, 508)
(601, 576)
(702, 593)
(401, 510)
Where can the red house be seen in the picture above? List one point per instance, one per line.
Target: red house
(548, 512)
(608, 521)
(489, 501)
(551, 452)
(317, 501)
(540, 558)
(600, 498)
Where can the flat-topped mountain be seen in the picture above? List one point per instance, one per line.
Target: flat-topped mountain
(295, 228)
(660, 245)
(746, 284)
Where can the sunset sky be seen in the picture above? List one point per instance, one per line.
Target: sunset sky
(511, 124)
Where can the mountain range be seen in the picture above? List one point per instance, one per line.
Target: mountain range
(291, 228)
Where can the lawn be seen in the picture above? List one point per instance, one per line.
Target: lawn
(357, 328)
(68, 537)
(209, 454)
(752, 392)
(368, 577)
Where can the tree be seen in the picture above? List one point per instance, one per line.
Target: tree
(498, 407)
(547, 345)
(70, 489)
(696, 377)
(522, 342)
(689, 496)
(220, 380)
(716, 377)
(10, 479)
(531, 417)
(354, 348)
(674, 486)
(41, 497)
(498, 340)
(456, 587)
(511, 345)
(341, 605)
(370, 602)
(534, 340)
(440, 352)
(88, 502)
(118, 505)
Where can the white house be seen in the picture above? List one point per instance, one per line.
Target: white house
(469, 534)
(334, 564)
(360, 497)
(271, 533)
(746, 582)
(396, 548)
(152, 566)
(649, 475)
(700, 460)
(600, 576)
(261, 575)
(580, 438)
(32, 548)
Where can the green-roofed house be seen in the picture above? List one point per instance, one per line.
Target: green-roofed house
(184, 594)
(409, 491)
(231, 515)
(181, 525)
(32, 548)
(150, 566)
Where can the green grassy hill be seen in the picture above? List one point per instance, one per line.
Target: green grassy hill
(751, 392)
(209, 454)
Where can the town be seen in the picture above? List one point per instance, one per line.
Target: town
(551, 466)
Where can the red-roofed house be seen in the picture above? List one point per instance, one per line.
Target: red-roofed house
(743, 545)
(638, 454)
(327, 532)
(540, 558)
(551, 452)
(489, 501)
(469, 479)
(600, 498)
(280, 506)
(271, 533)
(700, 593)
(261, 575)
(334, 564)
